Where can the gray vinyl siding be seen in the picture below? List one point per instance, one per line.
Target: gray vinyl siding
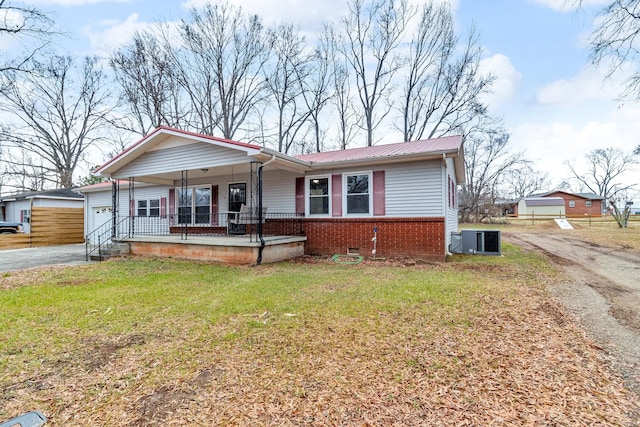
(192, 156)
(414, 189)
(451, 221)
(95, 200)
(279, 192)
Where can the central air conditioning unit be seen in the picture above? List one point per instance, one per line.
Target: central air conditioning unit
(480, 242)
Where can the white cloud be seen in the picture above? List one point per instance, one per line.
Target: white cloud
(73, 2)
(551, 145)
(589, 84)
(110, 34)
(507, 79)
(568, 5)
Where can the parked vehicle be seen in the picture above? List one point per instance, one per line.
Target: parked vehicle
(7, 227)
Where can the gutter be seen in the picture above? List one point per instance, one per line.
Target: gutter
(262, 242)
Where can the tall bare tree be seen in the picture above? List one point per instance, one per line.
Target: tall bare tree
(287, 81)
(28, 26)
(615, 40)
(372, 33)
(523, 181)
(146, 73)
(442, 85)
(317, 85)
(223, 71)
(56, 112)
(487, 160)
(605, 166)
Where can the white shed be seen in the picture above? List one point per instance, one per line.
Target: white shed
(542, 206)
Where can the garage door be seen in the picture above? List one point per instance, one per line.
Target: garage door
(101, 215)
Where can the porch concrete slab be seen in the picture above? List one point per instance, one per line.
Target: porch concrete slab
(243, 241)
(231, 250)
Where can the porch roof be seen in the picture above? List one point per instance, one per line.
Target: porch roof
(161, 135)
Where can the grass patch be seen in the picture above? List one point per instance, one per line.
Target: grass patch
(150, 341)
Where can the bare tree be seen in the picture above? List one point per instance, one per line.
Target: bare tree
(286, 80)
(341, 100)
(317, 86)
(442, 87)
(372, 33)
(487, 160)
(614, 42)
(31, 28)
(223, 71)
(523, 181)
(604, 168)
(56, 112)
(146, 72)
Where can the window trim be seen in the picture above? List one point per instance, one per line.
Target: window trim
(148, 207)
(345, 211)
(572, 203)
(307, 195)
(193, 205)
(588, 203)
(25, 214)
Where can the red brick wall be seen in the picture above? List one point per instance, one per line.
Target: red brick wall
(581, 207)
(397, 237)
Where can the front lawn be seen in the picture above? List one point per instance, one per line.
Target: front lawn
(162, 342)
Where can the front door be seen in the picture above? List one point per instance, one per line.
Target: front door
(237, 198)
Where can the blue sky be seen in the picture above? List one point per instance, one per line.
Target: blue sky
(556, 106)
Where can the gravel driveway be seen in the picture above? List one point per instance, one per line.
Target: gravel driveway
(18, 259)
(601, 287)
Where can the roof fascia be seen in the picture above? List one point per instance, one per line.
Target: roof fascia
(120, 160)
(436, 155)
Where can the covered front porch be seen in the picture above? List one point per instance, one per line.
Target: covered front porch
(180, 194)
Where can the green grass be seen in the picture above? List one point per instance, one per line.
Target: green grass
(274, 342)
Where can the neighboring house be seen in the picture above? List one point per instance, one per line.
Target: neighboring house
(536, 206)
(578, 203)
(48, 217)
(19, 207)
(178, 183)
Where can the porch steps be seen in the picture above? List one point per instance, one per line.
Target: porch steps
(116, 250)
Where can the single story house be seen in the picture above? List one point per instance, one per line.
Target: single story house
(578, 203)
(179, 193)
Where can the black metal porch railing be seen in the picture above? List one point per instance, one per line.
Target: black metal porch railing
(184, 224)
(222, 224)
(105, 237)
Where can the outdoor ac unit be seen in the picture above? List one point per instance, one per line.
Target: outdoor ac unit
(482, 242)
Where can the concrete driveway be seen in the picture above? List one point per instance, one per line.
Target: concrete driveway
(18, 259)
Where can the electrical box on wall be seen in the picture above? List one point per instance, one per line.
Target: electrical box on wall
(480, 242)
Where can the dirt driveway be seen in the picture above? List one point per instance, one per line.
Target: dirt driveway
(601, 287)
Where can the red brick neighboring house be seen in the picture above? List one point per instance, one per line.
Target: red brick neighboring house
(579, 203)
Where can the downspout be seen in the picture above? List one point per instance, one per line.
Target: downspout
(262, 243)
(445, 204)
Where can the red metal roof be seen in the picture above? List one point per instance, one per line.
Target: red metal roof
(425, 146)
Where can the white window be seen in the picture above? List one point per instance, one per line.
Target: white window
(319, 191)
(149, 207)
(572, 203)
(357, 193)
(194, 205)
(589, 203)
(25, 215)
